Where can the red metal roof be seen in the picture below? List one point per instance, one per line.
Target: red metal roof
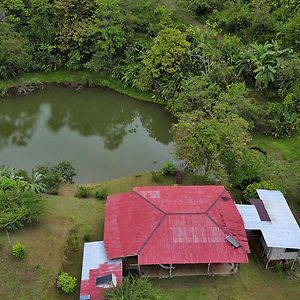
(174, 224)
(89, 287)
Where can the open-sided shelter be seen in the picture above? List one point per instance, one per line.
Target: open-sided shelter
(270, 222)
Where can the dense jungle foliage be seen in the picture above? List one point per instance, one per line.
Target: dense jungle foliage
(234, 72)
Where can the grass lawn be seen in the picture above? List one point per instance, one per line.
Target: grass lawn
(251, 282)
(56, 244)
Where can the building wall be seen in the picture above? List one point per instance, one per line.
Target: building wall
(278, 253)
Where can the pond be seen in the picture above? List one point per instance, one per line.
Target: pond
(102, 133)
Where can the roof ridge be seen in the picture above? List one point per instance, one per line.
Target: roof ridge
(149, 202)
(227, 233)
(151, 234)
(213, 204)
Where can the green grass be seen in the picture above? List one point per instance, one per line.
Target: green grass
(251, 282)
(47, 247)
(78, 77)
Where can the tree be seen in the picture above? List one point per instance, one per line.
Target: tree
(40, 30)
(111, 34)
(76, 30)
(196, 94)
(262, 60)
(236, 95)
(164, 59)
(14, 53)
(211, 145)
(19, 207)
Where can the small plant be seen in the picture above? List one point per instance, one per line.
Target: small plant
(82, 192)
(18, 251)
(65, 170)
(101, 194)
(156, 176)
(168, 169)
(66, 283)
(73, 242)
(250, 191)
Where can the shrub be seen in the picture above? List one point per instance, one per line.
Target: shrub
(156, 176)
(101, 194)
(66, 283)
(18, 251)
(19, 207)
(50, 179)
(282, 120)
(168, 169)
(250, 191)
(65, 170)
(82, 192)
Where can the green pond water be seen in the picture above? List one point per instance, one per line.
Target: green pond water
(102, 133)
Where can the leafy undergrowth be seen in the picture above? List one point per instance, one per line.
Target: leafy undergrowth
(286, 153)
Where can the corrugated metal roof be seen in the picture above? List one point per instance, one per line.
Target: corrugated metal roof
(96, 264)
(283, 230)
(250, 216)
(260, 207)
(177, 224)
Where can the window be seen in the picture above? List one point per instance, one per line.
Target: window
(291, 250)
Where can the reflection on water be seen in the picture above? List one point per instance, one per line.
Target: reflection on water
(104, 134)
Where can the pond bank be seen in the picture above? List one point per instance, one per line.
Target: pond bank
(29, 82)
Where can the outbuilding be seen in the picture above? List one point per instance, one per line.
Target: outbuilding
(271, 226)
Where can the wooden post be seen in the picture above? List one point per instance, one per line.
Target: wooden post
(267, 264)
(170, 270)
(8, 237)
(292, 267)
(208, 267)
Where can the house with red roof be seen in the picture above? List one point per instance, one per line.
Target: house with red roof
(167, 231)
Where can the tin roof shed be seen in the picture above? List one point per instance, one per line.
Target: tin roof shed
(282, 231)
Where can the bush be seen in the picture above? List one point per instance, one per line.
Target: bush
(18, 251)
(250, 191)
(282, 120)
(101, 194)
(82, 192)
(66, 283)
(156, 176)
(133, 288)
(168, 169)
(65, 170)
(18, 207)
(51, 179)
